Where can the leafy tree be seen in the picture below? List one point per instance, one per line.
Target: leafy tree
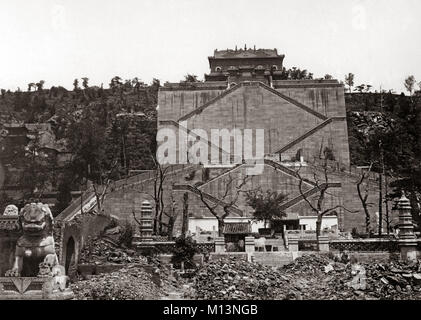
(30, 86)
(392, 144)
(64, 196)
(86, 137)
(295, 74)
(115, 83)
(85, 81)
(190, 78)
(38, 169)
(410, 84)
(360, 88)
(128, 84)
(349, 81)
(76, 85)
(266, 205)
(328, 77)
(40, 85)
(135, 81)
(155, 83)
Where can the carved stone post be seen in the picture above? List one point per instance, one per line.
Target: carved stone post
(220, 244)
(407, 240)
(249, 247)
(323, 243)
(146, 227)
(293, 244)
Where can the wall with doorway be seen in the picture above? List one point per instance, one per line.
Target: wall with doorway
(71, 236)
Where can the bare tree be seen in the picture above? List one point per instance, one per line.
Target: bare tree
(227, 201)
(185, 225)
(363, 188)
(100, 189)
(169, 211)
(157, 194)
(322, 185)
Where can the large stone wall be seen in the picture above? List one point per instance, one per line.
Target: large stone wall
(121, 202)
(256, 106)
(306, 116)
(173, 104)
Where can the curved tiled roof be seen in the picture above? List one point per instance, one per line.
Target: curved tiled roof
(246, 53)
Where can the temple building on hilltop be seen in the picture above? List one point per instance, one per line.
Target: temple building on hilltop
(245, 64)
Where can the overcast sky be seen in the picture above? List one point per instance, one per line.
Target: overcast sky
(58, 41)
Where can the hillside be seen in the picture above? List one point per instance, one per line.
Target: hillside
(54, 140)
(92, 131)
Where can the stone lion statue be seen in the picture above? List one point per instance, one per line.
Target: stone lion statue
(35, 247)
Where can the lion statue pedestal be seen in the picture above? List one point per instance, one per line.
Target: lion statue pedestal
(36, 273)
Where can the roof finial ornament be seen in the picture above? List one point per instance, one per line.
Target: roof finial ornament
(235, 47)
(245, 47)
(254, 48)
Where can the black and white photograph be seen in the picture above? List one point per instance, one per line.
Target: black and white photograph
(210, 155)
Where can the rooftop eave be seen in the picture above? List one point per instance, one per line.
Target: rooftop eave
(250, 57)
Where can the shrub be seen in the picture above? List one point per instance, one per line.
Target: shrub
(184, 251)
(127, 234)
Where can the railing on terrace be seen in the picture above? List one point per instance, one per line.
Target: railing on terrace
(350, 170)
(389, 245)
(169, 246)
(311, 234)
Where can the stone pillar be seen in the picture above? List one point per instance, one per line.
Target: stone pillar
(146, 227)
(407, 240)
(293, 244)
(220, 244)
(249, 247)
(249, 244)
(323, 243)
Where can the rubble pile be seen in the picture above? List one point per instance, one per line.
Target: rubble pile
(308, 263)
(101, 250)
(230, 278)
(394, 280)
(130, 283)
(317, 277)
(310, 277)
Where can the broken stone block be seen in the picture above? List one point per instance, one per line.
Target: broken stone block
(11, 210)
(329, 268)
(417, 278)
